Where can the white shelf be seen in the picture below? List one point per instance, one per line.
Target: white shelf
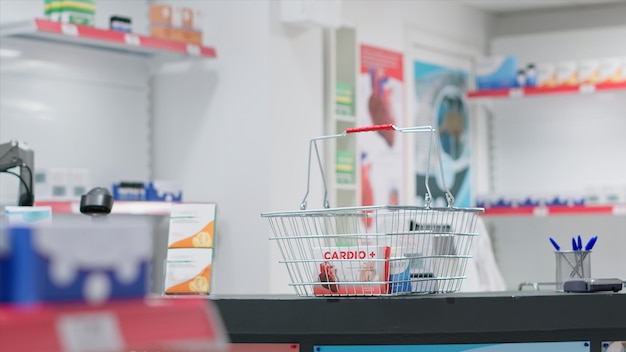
(103, 39)
(119, 207)
(530, 91)
(543, 211)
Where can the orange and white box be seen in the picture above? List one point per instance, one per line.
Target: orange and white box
(588, 72)
(161, 14)
(609, 71)
(188, 270)
(546, 75)
(192, 226)
(359, 270)
(566, 73)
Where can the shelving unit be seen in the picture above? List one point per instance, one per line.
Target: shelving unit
(343, 163)
(514, 97)
(542, 211)
(151, 324)
(66, 33)
(119, 207)
(529, 91)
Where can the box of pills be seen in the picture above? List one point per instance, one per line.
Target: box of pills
(360, 270)
(588, 72)
(52, 184)
(609, 71)
(188, 271)
(566, 74)
(546, 75)
(161, 14)
(192, 225)
(76, 260)
(17, 215)
(496, 72)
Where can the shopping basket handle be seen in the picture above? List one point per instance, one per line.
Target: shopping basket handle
(386, 127)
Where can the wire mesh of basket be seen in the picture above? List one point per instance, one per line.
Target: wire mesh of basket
(384, 250)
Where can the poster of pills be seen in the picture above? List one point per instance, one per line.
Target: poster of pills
(439, 102)
(381, 101)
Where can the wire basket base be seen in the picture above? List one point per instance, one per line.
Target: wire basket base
(375, 251)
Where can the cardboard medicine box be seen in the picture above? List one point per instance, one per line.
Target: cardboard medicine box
(352, 270)
(188, 271)
(192, 225)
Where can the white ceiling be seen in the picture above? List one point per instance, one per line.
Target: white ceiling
(508, 6)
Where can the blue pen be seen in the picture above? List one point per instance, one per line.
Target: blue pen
(556, 245)
(591, 243)
(574, 244)
(580, 243)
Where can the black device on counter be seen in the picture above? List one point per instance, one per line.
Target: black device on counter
(19, 155)
(593, 285)
(97, 201)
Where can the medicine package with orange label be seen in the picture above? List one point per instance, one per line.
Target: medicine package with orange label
(188, 271)
(192, 226)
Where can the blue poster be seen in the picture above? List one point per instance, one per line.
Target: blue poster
(440, 102)
(576, 346)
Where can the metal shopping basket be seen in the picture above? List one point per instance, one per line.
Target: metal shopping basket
(383, 250)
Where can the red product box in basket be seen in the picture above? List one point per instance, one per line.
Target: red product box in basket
(360, 270)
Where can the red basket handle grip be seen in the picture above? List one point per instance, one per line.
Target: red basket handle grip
(371, 128)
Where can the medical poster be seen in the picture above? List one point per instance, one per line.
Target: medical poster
(575, 346)
(439, 102)
(380, 102)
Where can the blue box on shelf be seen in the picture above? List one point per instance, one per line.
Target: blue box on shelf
(164, 191)
(131, 191)
(496, 72)
(91, 261)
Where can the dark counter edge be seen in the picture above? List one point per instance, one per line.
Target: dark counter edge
(494, 317)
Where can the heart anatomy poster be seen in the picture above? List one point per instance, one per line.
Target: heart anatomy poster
(381, 101)
(439, 102)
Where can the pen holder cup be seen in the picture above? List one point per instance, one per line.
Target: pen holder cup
(572, 265)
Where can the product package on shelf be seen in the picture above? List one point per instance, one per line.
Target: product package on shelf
(190, 249)
(496, 72)
(344, 99)
(175, 23)
(353, 270)
(91, 261)
(345, 167)
(80, 12)
(162, 190)
(192, 226)
(188, 271)
(129, 190)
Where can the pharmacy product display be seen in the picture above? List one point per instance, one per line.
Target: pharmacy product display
(376, 250)
(190, 249)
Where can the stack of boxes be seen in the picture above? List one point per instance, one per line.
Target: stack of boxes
(174, 23)
(80, 12)
(190, 249)
(61, 184)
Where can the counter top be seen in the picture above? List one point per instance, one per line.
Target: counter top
(517, 316)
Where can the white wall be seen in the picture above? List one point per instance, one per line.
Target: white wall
(77, 108)
(237, 131)
(578, 18)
